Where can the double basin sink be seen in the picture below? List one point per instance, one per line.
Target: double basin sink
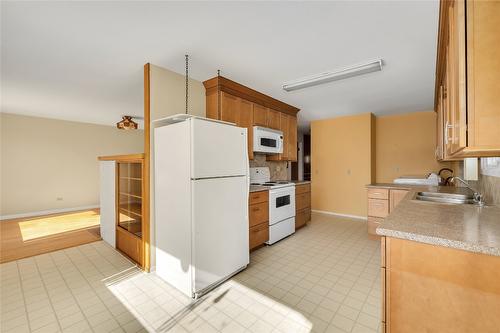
(449, 198)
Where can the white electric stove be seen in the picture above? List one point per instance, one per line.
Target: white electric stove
(281, 203)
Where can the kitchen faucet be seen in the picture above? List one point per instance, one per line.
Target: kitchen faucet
(478, 197)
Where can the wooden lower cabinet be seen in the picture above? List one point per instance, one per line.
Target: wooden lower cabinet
(258, 211)
(130, 244)
(258, 234)
(429, 288)
(302, 217)
(302, 205)
(381, 202)
(373, 223)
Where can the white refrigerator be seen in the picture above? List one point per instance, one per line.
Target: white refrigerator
(201, 202)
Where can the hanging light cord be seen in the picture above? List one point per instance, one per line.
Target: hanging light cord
(187, 82)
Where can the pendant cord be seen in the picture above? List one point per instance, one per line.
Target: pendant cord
(187, 82)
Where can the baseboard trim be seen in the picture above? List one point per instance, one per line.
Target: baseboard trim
(46, 212)
(356, 217)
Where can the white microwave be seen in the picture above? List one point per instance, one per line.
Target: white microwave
(267, 140)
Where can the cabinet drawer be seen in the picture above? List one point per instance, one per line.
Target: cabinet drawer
(302, 217)
(378, 208)
(299, 189)
(258, 213)
(256, 197)
(373, 223)
(302, 201)
(378, 193)
(258, 234)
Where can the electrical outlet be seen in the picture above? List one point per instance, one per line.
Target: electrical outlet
(59, 199)
(349, 172)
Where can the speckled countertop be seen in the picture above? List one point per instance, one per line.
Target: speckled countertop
(301, 182)
(258, 188)
(464, 227)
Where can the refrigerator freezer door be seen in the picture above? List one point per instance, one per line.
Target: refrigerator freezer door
(217, 150)
(220, 225)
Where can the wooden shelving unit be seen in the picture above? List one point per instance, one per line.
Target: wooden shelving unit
(130, 208)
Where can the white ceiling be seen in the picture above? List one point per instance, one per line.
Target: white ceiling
(83, 61)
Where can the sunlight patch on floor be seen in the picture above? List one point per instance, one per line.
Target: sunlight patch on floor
(53, 225)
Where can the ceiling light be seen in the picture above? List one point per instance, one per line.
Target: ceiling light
(372, 66)
(126, 123)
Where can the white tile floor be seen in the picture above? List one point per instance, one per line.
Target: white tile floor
(325, 278)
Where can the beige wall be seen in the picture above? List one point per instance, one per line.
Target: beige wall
(341, 160)
(46, 159)
(167, 94)
(405, 145)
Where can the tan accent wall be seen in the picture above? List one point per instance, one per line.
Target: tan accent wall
(405, 145)
(46, 159)
(341, 160)
(167, 93)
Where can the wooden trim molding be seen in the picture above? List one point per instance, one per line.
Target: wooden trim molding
(121, 158)
(146, 171)
(220, 83)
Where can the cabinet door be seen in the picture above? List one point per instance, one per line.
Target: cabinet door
(292, 138)
(439, 125)
(456, 76)
(395, 198)
(284, 123)
(273, 120)
(229, 110)
(483, 74)
(260, 115)
(246, 120)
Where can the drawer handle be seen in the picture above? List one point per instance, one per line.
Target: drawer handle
(255, 209)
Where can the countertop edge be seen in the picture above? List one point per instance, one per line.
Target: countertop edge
(438, 241)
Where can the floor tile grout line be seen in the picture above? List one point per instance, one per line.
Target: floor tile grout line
(70, 290)
(24, 296)
(46, 292)
(86, 257)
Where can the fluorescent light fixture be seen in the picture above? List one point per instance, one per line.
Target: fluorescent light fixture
(372, 66)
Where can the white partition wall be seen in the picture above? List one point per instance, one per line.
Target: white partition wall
(107, 201)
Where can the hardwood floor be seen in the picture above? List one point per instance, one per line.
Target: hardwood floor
(26, 237)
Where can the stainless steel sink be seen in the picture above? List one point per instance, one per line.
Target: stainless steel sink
(451, 198)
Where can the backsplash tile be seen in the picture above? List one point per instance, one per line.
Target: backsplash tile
(278, 169)
(489, 178)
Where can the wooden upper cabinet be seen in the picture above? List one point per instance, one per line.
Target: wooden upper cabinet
(230, 108)
(260, 115)
(468, 79)
(273, 119)
(232, 102)
(456, 77)
(246, 120)
(292, 138)
(483, 75)
(284, 123)
(288, 125)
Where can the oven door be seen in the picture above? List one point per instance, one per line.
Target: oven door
(281, 204)
(267, 141)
